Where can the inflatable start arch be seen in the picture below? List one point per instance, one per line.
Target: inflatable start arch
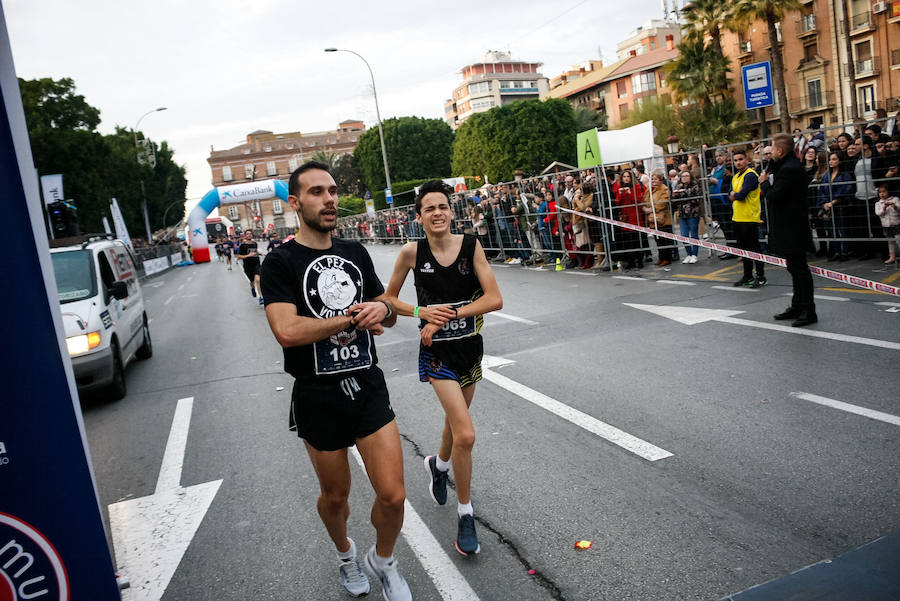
(227, 195)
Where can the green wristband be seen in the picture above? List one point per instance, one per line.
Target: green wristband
(416, 311)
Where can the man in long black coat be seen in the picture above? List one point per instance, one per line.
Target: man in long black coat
(791, 233)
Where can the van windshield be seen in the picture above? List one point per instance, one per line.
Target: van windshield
(74, 271)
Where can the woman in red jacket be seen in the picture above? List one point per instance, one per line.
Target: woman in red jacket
(628, 192)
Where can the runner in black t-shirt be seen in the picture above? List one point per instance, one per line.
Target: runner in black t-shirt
(455, 287)
(324, 302)
(248, 252)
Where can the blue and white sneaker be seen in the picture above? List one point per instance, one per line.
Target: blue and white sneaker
(260, 300)
(466, 538)
(353, 578)
(393, 584)
(437, 487)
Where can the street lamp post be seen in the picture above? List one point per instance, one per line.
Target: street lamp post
(143, 192)
(387, 173)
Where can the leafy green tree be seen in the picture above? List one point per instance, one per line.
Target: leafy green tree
(586, 119)
(526, 135)
(323, 156)
(742, 14)
(96, 168)
(699, 74)
(704, 19)
(347, 176)
(416, 148)
(721, 122)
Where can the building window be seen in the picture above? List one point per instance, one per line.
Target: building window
(652, 44)
(233, 213)
(480, 87)
(810, 51)
(620, 88)
(504, 85)
(271, 169)
(643, 82)
(268, 149)
(480, 104)
(867, 99)
(623, 111)
(226, 173)
(249, 171)
(864, 61)
(814, 90)
(277, 206)
(293, 163)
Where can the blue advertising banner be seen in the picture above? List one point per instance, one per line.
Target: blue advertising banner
(52, 543)
(757, 80)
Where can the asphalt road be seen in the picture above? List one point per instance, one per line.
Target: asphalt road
(760, 482)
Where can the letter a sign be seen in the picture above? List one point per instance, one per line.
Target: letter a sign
(588, 149)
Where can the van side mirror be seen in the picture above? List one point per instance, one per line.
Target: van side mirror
(119, 290)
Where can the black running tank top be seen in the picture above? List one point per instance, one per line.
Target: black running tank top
(455, 285)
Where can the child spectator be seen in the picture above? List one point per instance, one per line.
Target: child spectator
(888, 210)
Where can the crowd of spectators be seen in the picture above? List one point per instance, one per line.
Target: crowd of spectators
(854, 181)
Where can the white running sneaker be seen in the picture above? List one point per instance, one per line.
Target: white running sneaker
(394, 586)
(352, 577)
(686, 260)
(693, 258)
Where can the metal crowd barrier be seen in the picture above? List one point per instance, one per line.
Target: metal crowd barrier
(533, 232)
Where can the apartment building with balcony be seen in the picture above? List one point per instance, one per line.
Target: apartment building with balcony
(495, 80)
(829, 58)
(267, 155)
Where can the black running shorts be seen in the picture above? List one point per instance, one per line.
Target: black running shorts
(333, 416)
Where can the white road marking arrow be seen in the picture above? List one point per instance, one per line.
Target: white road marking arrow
(151, 534)
(631, 443)
(695, 315)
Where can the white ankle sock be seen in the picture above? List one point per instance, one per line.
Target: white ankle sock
(379, 561)
(465, 509)
(349, 553)
(441, 464)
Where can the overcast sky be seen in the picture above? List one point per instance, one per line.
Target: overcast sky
(225, 68)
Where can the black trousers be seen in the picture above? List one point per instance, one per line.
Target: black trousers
(747, 238)
(802, 281)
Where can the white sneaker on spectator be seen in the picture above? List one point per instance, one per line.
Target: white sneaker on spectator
(516, 261)
(693, 258)
(686, 260)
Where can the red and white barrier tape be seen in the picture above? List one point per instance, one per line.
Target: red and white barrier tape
(825, 273)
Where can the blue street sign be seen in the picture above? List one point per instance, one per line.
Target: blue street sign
(757, 80)
(388, 196)
(52, 542)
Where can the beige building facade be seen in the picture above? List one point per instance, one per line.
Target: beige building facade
(495, 80)
(829, 58)
(267, 155)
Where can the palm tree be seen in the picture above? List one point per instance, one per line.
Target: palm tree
(699, 74)
(705, 18)
(745, 12)
(329, 158)
(586, 119)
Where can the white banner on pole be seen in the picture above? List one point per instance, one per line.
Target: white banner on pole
(52, 187)
(106, 225)
(121, 230)
(625, 145)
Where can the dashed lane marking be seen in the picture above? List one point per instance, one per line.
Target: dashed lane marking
(448, 581)
(863, 411)
(513, 318)
(631, 443)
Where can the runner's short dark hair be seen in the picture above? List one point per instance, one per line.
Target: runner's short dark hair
(433, 185)
(294, 182)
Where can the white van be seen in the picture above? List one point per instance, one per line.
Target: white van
(102, 311)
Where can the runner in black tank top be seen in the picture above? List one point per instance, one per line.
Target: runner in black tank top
(455, 287)
(456, 350)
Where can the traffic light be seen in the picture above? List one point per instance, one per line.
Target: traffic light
(63, 221)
